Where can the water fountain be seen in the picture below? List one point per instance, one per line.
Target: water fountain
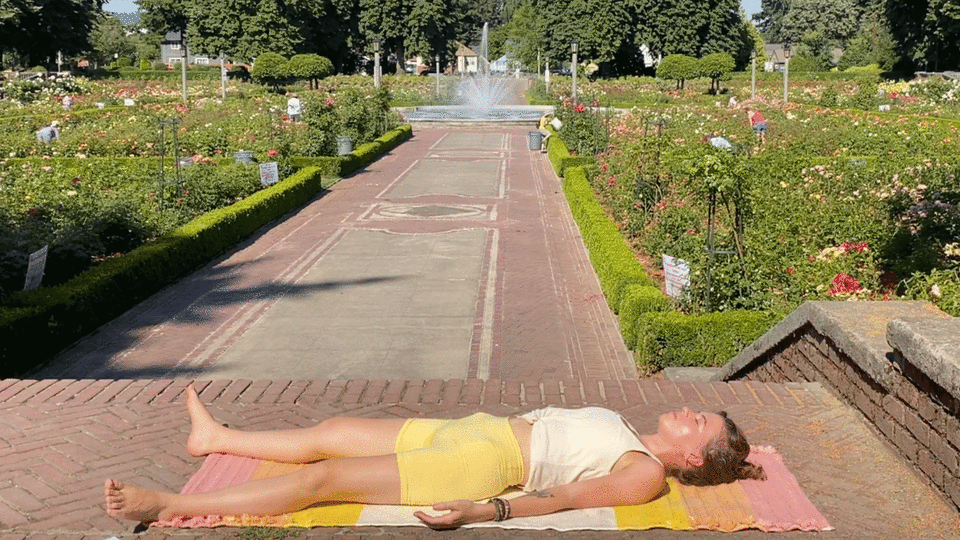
(479, 98)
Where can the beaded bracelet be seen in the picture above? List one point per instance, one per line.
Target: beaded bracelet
(498, 505)
(503, 508)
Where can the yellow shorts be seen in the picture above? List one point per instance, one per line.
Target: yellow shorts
(474, 458)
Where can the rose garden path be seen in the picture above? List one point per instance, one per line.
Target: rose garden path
(446, 278)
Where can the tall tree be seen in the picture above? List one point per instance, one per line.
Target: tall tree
(39, 29)
(770, 19)
(692, 27)
(524, 40)
(244, 29)
(430, 29)
(600, 27)
(386, 20)
(926, 31)
(109, 37)
(837, 20)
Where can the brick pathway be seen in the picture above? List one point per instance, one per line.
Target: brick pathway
(297, 300)
(540, 334)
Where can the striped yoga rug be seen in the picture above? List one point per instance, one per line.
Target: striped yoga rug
(776, 504)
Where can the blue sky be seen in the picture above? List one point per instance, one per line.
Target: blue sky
(127, 6)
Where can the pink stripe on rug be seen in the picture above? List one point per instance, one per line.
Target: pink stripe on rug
(217, 472)
(779, 503)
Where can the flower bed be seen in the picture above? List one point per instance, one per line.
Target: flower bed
(97, 191)
(37, 323)
(836, 204)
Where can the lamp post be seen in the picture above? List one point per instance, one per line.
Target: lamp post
(376, 62)
(786, 67)
(438, 77)
(546, 74)
(185, 56)
(223, 79)
(753, 74)
(575, 48)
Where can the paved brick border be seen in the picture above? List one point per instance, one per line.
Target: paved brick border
(615, 393)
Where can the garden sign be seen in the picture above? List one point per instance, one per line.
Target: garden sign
(38, 262)
(676, 273)
(269, 173)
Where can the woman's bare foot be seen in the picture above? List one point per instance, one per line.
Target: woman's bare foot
(204, 430)
(128, 502)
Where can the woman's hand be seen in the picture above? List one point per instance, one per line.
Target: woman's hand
(458, 513)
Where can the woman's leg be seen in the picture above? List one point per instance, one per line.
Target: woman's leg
(374, 480)
(335, 437)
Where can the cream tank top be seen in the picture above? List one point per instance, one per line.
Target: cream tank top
(567, 445)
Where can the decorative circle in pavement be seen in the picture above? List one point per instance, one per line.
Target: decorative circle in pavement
(431, 211)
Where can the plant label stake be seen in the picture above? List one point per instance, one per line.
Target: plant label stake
(269, 173)
(35, 268)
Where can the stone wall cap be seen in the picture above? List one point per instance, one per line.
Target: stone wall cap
(859, 330)
(930, 344)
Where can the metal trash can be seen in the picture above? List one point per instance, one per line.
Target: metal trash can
(243, 156)
(536, 140)
(344, 145)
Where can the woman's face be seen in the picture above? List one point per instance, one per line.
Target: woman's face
(690, 432)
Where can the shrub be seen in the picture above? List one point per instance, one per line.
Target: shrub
(311, 67)
(239, 72)
(145, 65)
(271, 69)
(802, 63)
(716, 67)
(678, 67)
(830, 97)
(866, 96)
(124, 62)
(674, 339)
(584, 130)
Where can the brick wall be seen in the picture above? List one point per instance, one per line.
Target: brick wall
(916, 415)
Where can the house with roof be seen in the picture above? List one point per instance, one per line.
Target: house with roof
(776, 58)
(468, 61)
(171, 52)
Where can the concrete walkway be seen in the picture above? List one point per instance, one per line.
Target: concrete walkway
(454, 257)
(445, 279)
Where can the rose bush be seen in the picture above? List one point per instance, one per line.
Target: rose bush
(837, 204)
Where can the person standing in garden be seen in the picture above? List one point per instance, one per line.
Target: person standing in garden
(293, 108)
(758, 122)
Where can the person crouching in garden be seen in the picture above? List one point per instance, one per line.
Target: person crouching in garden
(49, 133)
(757, 122)
(562, 458)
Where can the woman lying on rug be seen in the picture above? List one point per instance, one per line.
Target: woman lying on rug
(563, 458)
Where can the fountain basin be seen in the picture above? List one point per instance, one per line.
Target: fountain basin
(498, 114)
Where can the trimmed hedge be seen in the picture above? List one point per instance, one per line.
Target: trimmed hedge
(62, 114)
(560, 156)
(328, 165)
(360, 157)
(612, 258)
(174, 74)
(674, 339)
(659, 336)
(35, 325)
(365, 154)
(636, 301)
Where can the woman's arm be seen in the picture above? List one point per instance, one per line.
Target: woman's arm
(637, 483)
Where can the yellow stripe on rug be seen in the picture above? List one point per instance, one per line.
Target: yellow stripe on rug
(667, 512)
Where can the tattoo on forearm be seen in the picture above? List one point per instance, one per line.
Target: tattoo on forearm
(542, 494)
